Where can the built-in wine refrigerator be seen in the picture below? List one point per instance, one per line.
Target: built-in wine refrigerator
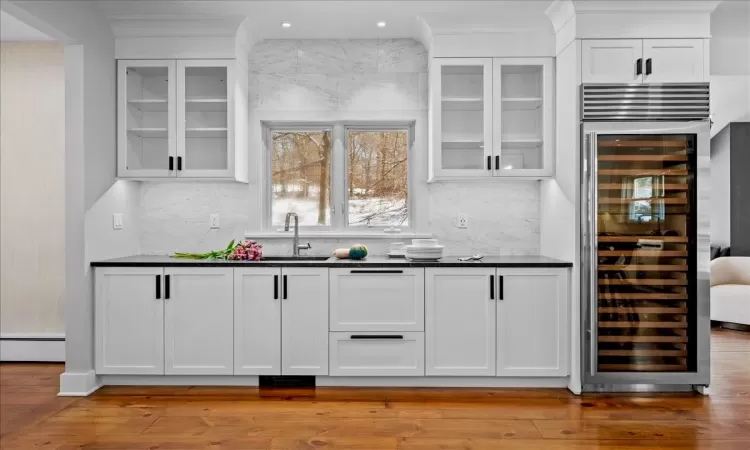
(645, 236)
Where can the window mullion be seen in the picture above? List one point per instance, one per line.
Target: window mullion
(338, 177)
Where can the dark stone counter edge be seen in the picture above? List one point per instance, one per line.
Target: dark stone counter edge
(551, 263)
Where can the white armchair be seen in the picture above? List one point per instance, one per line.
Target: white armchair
(730, 289)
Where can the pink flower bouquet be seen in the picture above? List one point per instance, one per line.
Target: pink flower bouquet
(239, 251)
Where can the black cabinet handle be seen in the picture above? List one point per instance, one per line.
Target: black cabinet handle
(376, 271)
(497, 162)
(639, 66)
(284, 289)
(158, 286)
(492, 287)
(171, 163)
(489, 162)
(376, 336)
(275, 287)
(501, 288)
(166, 287)
(648, 66)
(179, 163)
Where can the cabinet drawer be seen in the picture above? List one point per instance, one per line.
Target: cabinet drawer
(377, 299)
(376, 354)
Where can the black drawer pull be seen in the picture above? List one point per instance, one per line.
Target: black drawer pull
(501, 289)
(376, 336)
(648, 66)
(275, 287)
(179, 163)
(497, 162)
(639, 66)
(171, 163)
(166, 287)
(377, 271)
(284, 289)
(489, 162)
(492, 287)
(158, 286)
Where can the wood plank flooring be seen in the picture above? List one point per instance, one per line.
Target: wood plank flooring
(187, 418)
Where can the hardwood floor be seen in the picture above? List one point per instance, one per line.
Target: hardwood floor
(187, 418)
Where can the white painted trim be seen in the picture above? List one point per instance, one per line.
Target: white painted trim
(336, 235)
(78, 384)
(178, 380)
(36, 347)
(406, 381)
(490, 382)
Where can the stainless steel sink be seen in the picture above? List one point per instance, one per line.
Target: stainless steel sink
(294, 258)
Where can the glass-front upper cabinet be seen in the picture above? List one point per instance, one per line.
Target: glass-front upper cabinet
(204, 114)
(491, 117)
(523, 116)
(461, 117)
(146, 118)
(176, 119)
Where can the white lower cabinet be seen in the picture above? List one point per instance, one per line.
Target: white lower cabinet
(377, 299)
(460, 321)
(532, 322)
(504, 322)
(129, 321)
(257, 321)
(377, 354)
(304, 321)
(198, 321)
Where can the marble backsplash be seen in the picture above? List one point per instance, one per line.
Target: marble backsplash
(339, 75)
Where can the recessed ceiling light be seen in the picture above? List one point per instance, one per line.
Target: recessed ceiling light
(381, 24)
(286, 25)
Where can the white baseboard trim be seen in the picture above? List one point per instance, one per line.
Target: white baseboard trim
(488, 382)
(178, 380)
(36, 347)
(78, 384)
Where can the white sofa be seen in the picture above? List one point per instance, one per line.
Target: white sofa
(730, 289)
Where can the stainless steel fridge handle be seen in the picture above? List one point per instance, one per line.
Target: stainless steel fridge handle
(593, 179)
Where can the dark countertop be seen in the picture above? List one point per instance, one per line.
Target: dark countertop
(369, 262)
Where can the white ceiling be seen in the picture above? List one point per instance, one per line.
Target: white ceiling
(353, 19)
(12, 29)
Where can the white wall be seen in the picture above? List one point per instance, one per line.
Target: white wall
(720, 190)
(32, 182)
(338, 80)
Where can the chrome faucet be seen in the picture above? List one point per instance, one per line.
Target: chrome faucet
(295, 245)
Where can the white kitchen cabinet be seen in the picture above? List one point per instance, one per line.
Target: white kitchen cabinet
(182, 119)
(673, 61)
(643, 60)
(257, 321)
(304, 321)
(377, 354)
(522, 117)
(377, 299)
(532, 322)
(460, 321)
(129, 321)
(491, 118)
(611, 60)
(461, 117)
(198, 321)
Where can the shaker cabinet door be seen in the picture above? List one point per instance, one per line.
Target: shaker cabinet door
(304, 321)
(257, 321)
(129, 322)
(673, 60)
(532, 322)
(460, 321)
(612, 60)
(199, 331)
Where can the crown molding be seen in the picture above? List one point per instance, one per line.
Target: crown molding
(175, 26)
(645, 6)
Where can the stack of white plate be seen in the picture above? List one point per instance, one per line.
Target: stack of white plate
(424, 250)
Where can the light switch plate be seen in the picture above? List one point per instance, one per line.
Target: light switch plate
(213, 220)
(117, 221)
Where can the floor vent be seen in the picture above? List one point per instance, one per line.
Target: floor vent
(286, 381)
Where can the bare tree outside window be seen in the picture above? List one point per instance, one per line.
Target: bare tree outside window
(301, 164)
(377, 178)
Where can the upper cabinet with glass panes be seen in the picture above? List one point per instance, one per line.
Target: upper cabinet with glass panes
(177, 120)
(491, 118)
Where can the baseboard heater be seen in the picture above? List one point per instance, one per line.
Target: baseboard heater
(286, 381)
(22, 347)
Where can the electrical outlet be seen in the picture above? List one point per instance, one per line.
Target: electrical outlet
(117, 221)
(462, 221)
(213, 220)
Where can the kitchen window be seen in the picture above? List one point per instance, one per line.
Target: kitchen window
(339, 177)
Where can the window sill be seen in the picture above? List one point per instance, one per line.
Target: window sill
(337, 235)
